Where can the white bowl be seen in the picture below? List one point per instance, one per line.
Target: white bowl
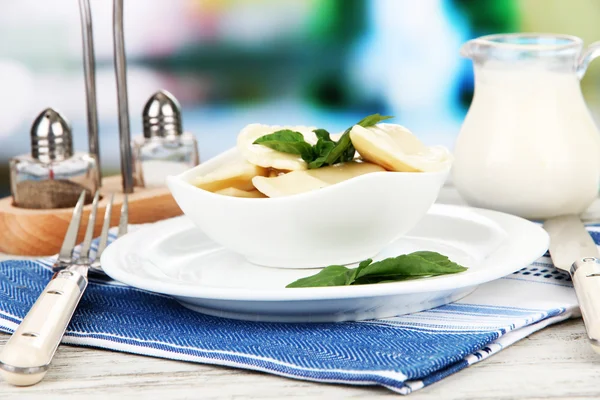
(339, 224)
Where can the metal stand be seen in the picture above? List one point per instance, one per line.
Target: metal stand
(89, 69)
(89, 66)
(121, 73)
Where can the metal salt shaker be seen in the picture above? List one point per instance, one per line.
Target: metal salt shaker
(164, 148)
(53, 175)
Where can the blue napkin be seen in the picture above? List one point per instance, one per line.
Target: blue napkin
(404, 353)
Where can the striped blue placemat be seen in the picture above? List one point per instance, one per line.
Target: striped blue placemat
(403, 353)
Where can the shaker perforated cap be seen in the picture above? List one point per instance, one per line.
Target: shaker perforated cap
(162, 115)
(51, 138)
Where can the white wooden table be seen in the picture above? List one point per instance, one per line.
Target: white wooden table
(555, 363)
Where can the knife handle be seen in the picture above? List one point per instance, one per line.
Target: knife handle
(586, 280)
(26, 356)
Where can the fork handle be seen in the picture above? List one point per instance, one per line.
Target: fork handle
(28, 353)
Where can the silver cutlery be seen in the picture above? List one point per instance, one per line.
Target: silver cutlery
(28, 353)
(573, 250)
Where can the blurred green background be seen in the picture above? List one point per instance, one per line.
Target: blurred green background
(234, 62)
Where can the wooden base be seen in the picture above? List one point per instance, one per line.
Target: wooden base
(40, 232)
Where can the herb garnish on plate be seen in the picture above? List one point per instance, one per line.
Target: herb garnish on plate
(420, 264)
(325, 152)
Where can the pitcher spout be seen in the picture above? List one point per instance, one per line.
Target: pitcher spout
(477, 47)
(467, 50)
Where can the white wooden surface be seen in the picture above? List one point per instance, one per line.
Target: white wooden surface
(555, 363)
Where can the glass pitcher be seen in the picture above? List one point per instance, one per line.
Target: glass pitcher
(528, 145)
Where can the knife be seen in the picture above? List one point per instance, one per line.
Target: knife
(573, 250)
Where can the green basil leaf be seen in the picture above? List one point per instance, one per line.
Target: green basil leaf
(363, 265)
(422, 263)
(356, 271)
(322, 149)
(287, 141)
(321, 160)
(325, 152)
(342, 152)
(334, 275)
(322, 134)
(318, 163)
(372, 120)
(348, 154)
(417, 265)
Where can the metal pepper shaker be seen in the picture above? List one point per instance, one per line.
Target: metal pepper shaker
(53, 175)
(164, 148)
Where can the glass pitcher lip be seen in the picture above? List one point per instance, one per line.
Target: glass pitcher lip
(509, 41)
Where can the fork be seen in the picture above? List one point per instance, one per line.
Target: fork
(28, 353)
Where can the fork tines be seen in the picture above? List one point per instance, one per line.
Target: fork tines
(66, 256)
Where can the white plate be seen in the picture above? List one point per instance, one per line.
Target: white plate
(175, 258)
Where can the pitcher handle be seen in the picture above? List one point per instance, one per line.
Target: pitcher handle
(592, 51)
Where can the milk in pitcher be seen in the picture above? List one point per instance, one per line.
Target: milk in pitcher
(528, 145)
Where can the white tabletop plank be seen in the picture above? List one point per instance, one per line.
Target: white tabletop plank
(555, 363)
